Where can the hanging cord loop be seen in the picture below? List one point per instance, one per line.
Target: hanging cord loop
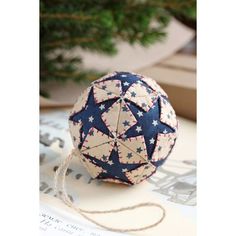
(61, 172)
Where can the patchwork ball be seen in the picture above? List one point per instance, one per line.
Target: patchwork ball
(124, 127)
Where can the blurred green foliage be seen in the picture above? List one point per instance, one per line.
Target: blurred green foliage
(97, 25)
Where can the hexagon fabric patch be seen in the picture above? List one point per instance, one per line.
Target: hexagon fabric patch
(93, 170)
(167, 113)
(140, 95)
(163, 146)
(137, 145)
(155, 86)
(138, 175)
(126, 118)
(75, 128)
(81, 102)
(95, 138)
(128, 156)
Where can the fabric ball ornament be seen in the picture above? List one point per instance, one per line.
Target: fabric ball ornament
(124, 127)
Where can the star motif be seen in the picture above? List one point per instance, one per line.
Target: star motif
(123, 75)
(138, 129)
(124, 108)
(146, 120)
(129, 155)
(126, 83)
(91, 119)
(104, 87)
(140, 113)
(110, 162)
(126, 123)
(133, 94)
(102, 107)
(149, 90)
(154, 122)
(143, 104)
(113, 168)
(165, 131)
(104, 157)
(139, 150)
(87, 117)
(152, 140)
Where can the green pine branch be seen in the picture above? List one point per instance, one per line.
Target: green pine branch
(96, 26)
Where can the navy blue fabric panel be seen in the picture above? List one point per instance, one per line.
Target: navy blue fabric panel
(150, 125)
(126, 78)
(114, 171)
(92, 112)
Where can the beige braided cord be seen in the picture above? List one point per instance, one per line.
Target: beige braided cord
(61, 171)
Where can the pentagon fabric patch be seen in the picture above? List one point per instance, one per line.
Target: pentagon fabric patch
(101, 152)
(93, 170)
(167, 113)
(156, 87)
(126, 118)
(111, 116)
(137, 145)
(163, 146)
(81, 102)
(101, 95)
(139, 174)
(140, 95)
(95, 138)
(112, 86)
(128, 156)
(75, 132)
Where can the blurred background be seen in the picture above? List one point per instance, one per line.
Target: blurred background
(83, 40)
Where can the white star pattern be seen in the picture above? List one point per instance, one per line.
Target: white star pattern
(138, 129)
(165, 131)
(91, 119)
(123, 75)
(124, 170)
(140, 114)
(126, 84)
(152, 140)
(102, 107)
(154, 122)
(110, 162)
